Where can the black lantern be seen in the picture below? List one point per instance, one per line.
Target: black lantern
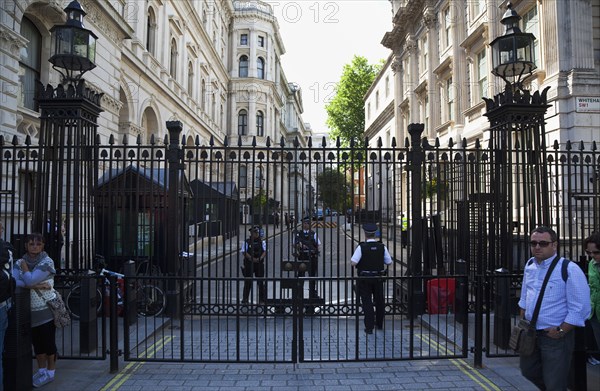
(512, 53)
(73, 46)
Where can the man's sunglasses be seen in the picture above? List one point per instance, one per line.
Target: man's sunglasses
(541, 243)
(596, 252)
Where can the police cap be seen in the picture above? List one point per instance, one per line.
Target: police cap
(370, 228)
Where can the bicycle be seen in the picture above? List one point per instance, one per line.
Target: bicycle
(151, 300)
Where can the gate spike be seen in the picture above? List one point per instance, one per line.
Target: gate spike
(254, 141)
(125, 140)
(437, 142)
(324, 143)
(15, 140)
(450, 143)
(309, 143)
(211, 142)
(138, 139)
(111, 139)
(581, 146)
(97, 139)
(152, 139)
(406, 142)
(166, 140)
(338, 143)
(296, 142)
(226, 141)
(197, 141)
(568, 146)
(282, 142)
(379, 142)
(1, 140)
(464, 142)
(183, 142)
(268, 143)
(352, 142)
(594, 146)
(393, 142)
(477, 143)
(239, 141)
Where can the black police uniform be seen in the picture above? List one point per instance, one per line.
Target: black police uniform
(254, 248)
(309, 254)
(370, 287)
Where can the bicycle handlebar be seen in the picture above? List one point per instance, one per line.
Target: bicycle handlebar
(105, 272)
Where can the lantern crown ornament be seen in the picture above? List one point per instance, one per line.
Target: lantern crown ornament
(73, 46)
(513, 52)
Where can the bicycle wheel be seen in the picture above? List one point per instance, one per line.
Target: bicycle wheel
(73, 301)
(151, 300)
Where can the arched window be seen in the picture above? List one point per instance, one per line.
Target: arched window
(29, 64)
(173, 63)
(260, 68)
(244, 66)
(151, 28)
(260, 124)
(190, 85)
(243, 123)
(243, 176)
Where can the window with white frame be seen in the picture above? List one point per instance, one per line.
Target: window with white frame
(447, 17)
(190, 84)
(243, 72)
(531, 25)
(29, 65)
(482, 75)
(260, 124)
(449, 92)
(478, 8)
(244, 39)
(387, 86)
(243, 122)
(173, 62)
(151, 28)
(260, 68)
(424, 53)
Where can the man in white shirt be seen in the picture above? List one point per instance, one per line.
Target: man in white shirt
(565, 306)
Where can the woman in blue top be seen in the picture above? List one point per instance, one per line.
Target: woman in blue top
(36, 271)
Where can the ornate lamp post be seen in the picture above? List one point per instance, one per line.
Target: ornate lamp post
(68, 128)
(517, 135)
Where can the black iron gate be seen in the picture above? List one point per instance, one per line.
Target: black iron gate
(220, 191)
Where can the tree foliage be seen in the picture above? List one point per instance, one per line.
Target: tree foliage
(345, 112)
(334, 189)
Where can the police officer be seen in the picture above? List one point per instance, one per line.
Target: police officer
(254, 251)
(370, 258)
(307, 246)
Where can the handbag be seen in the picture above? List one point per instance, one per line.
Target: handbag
(59, 310)
(523, 334)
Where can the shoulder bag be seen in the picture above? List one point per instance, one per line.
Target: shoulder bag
(523, 335)
(57, 306)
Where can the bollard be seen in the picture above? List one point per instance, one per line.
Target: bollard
(17, 343)
(502, 301)
(88, 319)
(131, 296)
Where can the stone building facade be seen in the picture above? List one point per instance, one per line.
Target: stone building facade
(213, 65)
(442, 64)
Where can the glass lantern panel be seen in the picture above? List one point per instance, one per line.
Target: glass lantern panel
(80, 43)
(63, 40)
(92, 48)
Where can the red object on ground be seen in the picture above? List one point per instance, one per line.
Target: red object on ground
(440, 295)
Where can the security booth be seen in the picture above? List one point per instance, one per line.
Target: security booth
(215, 209)
(132, 215)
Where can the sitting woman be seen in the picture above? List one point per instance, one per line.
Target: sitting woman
(36, 271)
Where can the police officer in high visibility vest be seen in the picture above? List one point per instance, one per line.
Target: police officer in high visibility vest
(370, 259)
(254, 251)
(404, 230)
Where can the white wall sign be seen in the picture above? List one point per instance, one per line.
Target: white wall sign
(589, 104)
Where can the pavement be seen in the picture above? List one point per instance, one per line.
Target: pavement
(501, 373)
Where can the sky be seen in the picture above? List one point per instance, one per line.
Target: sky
(320, 37)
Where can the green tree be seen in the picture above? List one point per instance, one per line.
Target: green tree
(334, 189)
(345, 112)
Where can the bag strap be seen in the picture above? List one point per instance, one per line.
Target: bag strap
(538, 305)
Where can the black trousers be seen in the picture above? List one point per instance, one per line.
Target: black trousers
(370, 290)
(256, 269)
(313, 268)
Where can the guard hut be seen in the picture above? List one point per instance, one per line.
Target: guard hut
(132, 213)
(215, 210)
